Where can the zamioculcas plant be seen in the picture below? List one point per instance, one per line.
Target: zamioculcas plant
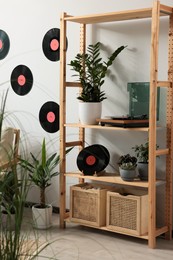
(91, 71)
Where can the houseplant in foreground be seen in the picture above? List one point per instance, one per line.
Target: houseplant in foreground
(91, 71)
(13, 240)
(41, 171)
(9, 191)
(127, 167)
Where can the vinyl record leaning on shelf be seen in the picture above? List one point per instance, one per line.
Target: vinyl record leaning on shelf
(49, 117)
(93, 159)
(21, 80)
(51, 44)
(4, 44)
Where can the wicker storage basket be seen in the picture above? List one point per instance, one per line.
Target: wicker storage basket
(127, 211)
(88, 204)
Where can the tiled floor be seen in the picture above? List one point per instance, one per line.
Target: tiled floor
(81, 243)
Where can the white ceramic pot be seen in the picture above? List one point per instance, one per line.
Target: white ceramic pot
(89, 112)
(42, 217)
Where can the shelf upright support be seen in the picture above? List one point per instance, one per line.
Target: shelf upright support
(152, 124)
(62, 119)
(169, 126)
(82, 50)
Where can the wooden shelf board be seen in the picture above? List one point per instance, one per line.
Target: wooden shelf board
(113, 179)
(68, 220)
(159, 231)
(143, 129)
(116, 16)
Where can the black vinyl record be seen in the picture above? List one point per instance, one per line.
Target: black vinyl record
(21, 80)
(4, 44)
(51, 44)
(93, 159)
(49, 117)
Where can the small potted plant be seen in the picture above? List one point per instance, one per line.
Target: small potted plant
(41, 172)
(142, 153)
(91, 71)
(127, 167)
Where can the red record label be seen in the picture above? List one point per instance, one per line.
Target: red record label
(90, 160)
(21, 80)
(54, 45)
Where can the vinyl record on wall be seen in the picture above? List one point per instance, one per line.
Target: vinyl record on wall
(49, 117)
(51, 44)
(21, 80)
(4, 44)
(93, 159)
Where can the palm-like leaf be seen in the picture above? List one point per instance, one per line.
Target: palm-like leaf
(43, 170)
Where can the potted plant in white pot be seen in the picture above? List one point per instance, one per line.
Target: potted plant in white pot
(91, 71)
(142, 153)
(41, 172)
(127, 167)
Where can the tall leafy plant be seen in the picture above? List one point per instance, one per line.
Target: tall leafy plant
(42, 170)
(91, 71)
(13, 199)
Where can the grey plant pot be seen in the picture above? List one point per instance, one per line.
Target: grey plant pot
(127, 175)
(143, 171)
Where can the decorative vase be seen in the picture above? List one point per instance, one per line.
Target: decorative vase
(127, 175)
(89, 112)
(143, 171)
(42, 217)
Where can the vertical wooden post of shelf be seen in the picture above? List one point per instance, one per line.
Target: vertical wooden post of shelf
(152, 124)
(82, 50)
(169, 117)
(62, 193)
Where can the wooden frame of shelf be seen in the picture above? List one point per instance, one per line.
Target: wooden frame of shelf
(109, 178)
(154, 13)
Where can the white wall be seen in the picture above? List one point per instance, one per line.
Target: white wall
(27, 21)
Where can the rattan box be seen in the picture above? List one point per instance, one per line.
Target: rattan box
(88, 204)
(127, 211)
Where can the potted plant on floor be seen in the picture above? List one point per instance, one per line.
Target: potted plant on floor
(41, 172)
(91, 71)
(142, 153)
(127, 167)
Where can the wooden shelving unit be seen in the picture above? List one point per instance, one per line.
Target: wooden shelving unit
(154, 14)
